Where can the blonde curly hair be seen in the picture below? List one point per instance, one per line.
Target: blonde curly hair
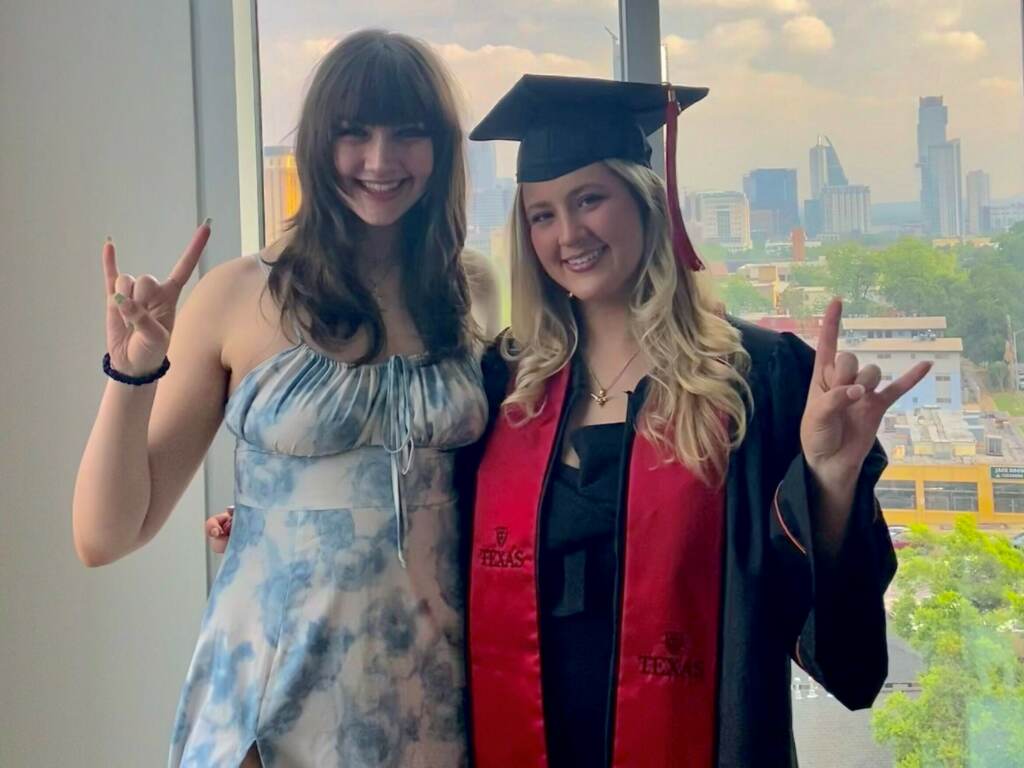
(696, 412)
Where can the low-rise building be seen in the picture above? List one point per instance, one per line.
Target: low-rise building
(895, 356)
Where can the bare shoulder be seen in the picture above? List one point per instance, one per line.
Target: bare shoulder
(227, 279)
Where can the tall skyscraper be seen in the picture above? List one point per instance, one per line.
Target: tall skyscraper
(847, 209)
(939, 162)
(773, 191)
(826, 170)
(946, 195)
(483, 165)
(814, 217)
(831, 210)
(978, 197)
(932, 117)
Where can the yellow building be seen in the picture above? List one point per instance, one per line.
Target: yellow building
(281, 191)
(935, 494)
(765, 279)
(956, 242)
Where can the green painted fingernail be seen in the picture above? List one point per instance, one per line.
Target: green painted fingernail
(119, 298)
(208, 222)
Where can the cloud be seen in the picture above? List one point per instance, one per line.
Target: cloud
(679, 48)
(968, 46)
(746, 35)
(774, 84)
(485, 73)
(774, 6)
(1000, 86)
(946, 18)
(808, 34)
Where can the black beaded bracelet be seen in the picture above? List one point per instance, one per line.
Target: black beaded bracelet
(136, 381)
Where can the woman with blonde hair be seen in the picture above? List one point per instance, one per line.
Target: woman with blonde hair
(345, 362)
(671, 504)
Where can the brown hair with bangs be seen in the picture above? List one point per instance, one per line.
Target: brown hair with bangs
(376, 77)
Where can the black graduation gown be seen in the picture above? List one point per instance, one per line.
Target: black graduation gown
(780, 601)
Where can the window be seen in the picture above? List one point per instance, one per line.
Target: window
(897, 110)
(951, 497)
(896, 494)
(791, 94)
(1008, 497)
(724, 219)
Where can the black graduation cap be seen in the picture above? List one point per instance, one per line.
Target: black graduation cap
(566, 123)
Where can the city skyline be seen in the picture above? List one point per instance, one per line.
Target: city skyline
(780, 73)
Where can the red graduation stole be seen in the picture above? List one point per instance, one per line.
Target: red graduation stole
(667, 656)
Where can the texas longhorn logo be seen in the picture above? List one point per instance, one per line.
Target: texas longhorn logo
(500, 557)
(672, 661)
(674, 642)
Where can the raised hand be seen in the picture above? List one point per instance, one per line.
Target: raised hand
(844, 410)
(140, 312)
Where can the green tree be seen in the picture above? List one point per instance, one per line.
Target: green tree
(741, 297)
(968, 255)
(1011, 245)
(979, 303)
(809, 275)
(960, 604)
(792, 301)
(854, 272)
(712, 252)
(998, 374)
(915, 278)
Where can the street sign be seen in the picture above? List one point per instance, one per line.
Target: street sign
(1007, 473)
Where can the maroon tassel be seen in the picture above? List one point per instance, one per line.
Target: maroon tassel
(681, 245)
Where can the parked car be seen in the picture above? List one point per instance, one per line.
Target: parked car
(901, 536)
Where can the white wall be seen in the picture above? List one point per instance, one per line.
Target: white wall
(97, 136)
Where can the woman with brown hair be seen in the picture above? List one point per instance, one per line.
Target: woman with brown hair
(344, 360)
(693, 499)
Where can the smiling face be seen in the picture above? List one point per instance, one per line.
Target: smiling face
(587, 231)
(382, 170)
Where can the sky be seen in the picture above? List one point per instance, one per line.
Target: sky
(780, 73)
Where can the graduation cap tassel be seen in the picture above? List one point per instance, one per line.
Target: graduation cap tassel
(681, 245)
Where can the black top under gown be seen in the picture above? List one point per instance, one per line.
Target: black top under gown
(577, 588)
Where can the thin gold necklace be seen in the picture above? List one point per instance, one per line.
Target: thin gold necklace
(601, 396)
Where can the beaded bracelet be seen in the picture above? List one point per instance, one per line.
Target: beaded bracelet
(136, 381)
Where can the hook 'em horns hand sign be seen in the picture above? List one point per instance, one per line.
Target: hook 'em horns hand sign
(140, 312)
(844, 405)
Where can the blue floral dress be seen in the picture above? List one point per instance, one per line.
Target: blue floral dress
(334, 630)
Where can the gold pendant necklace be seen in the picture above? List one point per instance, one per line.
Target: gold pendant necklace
(601, 396)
